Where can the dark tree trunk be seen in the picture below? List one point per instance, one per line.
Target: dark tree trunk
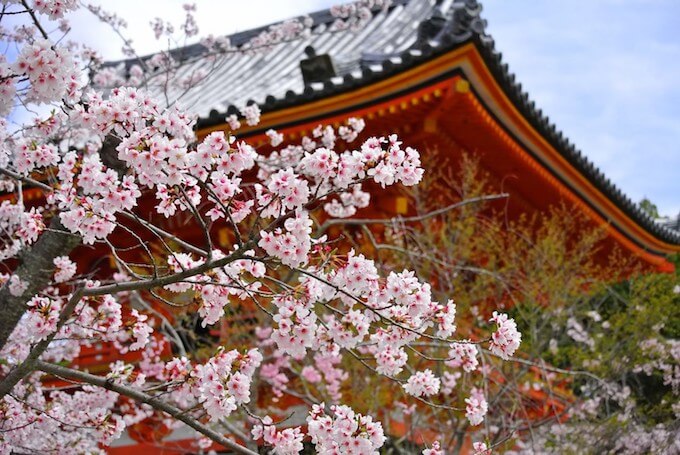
(36, 269)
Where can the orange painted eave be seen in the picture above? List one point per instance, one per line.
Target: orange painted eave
(563, 166)
(468, 58)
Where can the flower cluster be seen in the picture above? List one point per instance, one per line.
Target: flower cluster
(292, 244)
(356, 14)
(296, 326)
(506, 339)
(65, 269)
(7, 88)
(285, 31)
(662, 356)
(219, 385)
(55, 9)
(476, 406)
(344, 431)
(52, 430)
(138, 331)
(422, 383)
(252, 114)
(275, 138)
(450, 381)
(43, 315)
(436, 449)
(50, 70)
(102, 318)
(90, 197)
(480, 448)
(348, 203)
(224, 381)
(31, 155)
(20, 227)
(283, 442)
(16, 285)
(463, 355)
(215, 288)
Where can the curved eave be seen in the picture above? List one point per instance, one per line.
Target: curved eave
(605, 202)
(490, 87)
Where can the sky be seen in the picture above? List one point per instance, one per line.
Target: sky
(606, 72)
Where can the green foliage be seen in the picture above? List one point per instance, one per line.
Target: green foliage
(649, 208)
(587, 312)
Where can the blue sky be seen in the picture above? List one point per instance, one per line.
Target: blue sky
(607, 72)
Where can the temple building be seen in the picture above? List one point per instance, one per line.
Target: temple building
(428, 71)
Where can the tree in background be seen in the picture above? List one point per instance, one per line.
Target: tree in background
(649, 208)
(98, 175)
(598, 371)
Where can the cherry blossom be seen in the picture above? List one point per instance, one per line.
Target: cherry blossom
(192, 230)
(506, 339)
(480, 448)
(450, 382)
(222, 386)
(251, 114)
(16, 285)
(434, 450)
(476, 407)
(19, 227)
(463, 355)
(343, 431)
(422, 383)
(54, 8)
(43, 315)
(233, 122)
(7, 87)
(66, 269)
(283, 442)
(50, 71)
(139, 330)
(275, 138)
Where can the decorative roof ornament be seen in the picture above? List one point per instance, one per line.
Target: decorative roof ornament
(466, 20)
(431, 28)
(458, 23)
(316, 68)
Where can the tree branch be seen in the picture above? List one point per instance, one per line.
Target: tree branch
(28, 365)
(172, 278)
(142, 397)
(410, 219)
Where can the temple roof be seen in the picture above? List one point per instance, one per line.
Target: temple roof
(670, 223)
(408, 34)
(272, 78)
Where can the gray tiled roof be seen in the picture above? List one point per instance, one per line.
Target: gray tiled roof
(239, 78)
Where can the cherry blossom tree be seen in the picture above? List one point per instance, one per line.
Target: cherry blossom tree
(113, 159)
